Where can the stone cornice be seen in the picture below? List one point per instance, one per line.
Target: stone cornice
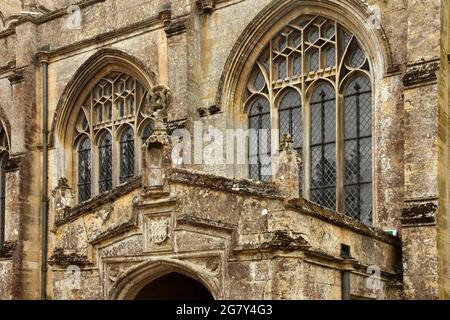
(221, 183)
(176, 26)
(100, 200)
(306, 207)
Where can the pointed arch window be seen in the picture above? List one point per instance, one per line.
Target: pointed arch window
(112, 111)
(105, 163)
(84, 170)
(126, 155)
(314, 83)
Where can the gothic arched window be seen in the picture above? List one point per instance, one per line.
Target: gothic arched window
(113, 109)
(126, 155)
(84, 169)
(105, 162)
(312, 80)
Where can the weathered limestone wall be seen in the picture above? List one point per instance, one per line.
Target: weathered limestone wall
(422, 144)
(188, 53)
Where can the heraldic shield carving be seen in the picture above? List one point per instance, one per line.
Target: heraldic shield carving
(158, 232)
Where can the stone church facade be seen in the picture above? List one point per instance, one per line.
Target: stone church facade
(225, 149)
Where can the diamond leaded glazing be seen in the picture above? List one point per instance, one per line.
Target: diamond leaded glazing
(105, 163)
(84, 170)
(304, 67)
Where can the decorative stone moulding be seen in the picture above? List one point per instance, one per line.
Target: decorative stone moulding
(206, 6)
(421, 73)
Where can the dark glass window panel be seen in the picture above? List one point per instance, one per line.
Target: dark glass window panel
(282, 70)
(357, 58)
(126, 155)
(329, 32)
(148, 130)
(314, 61)
(84, 123)
(290, 119)
(282, 43)
(358, 149)
(100, 114)
(330, 57)
(297, 40)
(105, 163)
(259, 82)
(323, 146)
(84, 170)
(345, 39)
(297, 66)
(313, 35)
(109, 110)
(259, 140)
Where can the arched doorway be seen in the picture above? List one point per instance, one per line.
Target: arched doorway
(174, 286)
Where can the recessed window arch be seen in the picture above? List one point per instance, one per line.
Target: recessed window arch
(320, 61)
(105, 142)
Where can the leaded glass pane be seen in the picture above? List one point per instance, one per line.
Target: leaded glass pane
(323, 147)
(105, 163)
(84, 170)
(297, 66)
(290, 120)
(126, 155)
(358, 149)
(259, 81)
(259, 140)
(148, 130)
(330, 57)
(313, 35)
(282, 70)
(314, 61)
(357, 58)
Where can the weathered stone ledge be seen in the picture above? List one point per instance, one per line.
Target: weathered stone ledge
(341, 220)
(99, 200)
(222, 183)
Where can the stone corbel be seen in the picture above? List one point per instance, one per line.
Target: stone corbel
(63, 199)
(16, 77)
(206, 6)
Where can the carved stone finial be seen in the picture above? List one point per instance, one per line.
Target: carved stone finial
(206, 6)
(287, 167)
(63, 198)
(287, 143)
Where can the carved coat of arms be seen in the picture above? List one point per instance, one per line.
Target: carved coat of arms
(158, 231)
